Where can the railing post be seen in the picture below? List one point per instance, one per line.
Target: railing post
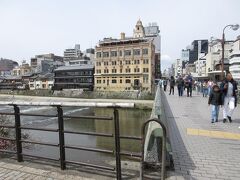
(18, 133)
(117, 144)
(61, 137)
(163, 148)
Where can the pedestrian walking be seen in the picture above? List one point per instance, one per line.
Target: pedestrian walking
(215, 99)
(229, 90)
(205, 89)
(165, 85)
(189, 84)
(180, 86)
(172, 84)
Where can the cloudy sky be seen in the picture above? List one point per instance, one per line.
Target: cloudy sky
(30, 27)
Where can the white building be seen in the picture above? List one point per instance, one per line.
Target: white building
(178, 67)
(214, 56)
(234, 59)
(73, 53)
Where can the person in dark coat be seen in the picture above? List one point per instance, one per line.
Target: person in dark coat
(180, 86)
(229, 90)
(172, 84)
(215, 99)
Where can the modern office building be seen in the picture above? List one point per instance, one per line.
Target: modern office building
(125, 64)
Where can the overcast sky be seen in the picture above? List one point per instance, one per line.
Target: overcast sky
(31, 27)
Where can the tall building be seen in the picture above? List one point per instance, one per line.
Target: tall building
(234, 59)
(73, 53)
(125, 64)
(152, 31)
(193, 53)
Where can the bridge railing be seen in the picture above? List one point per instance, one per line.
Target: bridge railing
(156, 146)
(61, 133)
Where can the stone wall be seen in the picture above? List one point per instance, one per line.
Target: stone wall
(76, 93)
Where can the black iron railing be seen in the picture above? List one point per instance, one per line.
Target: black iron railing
(61, 133)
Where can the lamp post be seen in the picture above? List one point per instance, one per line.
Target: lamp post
(234, 27)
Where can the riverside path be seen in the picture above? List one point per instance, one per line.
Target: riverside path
(201, 150)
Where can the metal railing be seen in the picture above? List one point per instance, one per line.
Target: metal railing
(61, 133)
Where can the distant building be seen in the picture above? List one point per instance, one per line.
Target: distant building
(178, 67)
(214, 57)
(21, 70)
(73, 53)
(185, 55)
(46, 63)
(74, 77)
(234, 59)
(41, 81)
(6, 66)
(193, 52)
(152, 31)
(125, 64)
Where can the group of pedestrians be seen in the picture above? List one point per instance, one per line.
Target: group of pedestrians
(226, 96)
(182, 84)
(222, 94)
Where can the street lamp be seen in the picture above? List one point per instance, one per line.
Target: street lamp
(233, 27)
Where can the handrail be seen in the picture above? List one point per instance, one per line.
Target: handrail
(163, 145)
(71, 104)
(61, 132)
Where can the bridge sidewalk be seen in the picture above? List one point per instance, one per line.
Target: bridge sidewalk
(202, 150)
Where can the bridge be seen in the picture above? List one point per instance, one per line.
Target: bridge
(200, 150)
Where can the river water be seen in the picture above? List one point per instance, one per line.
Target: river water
(130, 124)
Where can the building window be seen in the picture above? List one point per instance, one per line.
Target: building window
(113, 53)
(98, 64)
(98, 71)
(105, 54)
(114, 63)
(127, 81)
(121, 81)
(136, 62)
(128, 70)
(145, 51)
(145, 61)
(120, 70)
(127, 52)
(98, 81)
(136, 70)
(114, 81)
(128, 62)
(145, 70)
(105, 63)
(136, 52)
(120, 53)
(120, 62)
(99, 54)
(105, 71)
(114, 70)
(145, 79)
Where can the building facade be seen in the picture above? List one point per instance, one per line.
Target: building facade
(72, 53)
(21, 70)
(74, 77)
(234, 60)
(125, 64)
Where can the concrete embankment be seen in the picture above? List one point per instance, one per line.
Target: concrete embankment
(140, 104)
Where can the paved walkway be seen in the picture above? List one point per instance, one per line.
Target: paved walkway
(202, 150)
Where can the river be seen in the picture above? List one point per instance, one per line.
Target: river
(130, 124)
